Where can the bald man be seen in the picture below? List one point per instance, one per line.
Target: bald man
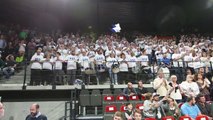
(35, 114)
(1, 110)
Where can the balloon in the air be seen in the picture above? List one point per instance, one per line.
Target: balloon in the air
(116, 28)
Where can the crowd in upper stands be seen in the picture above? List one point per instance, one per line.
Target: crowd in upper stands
(111, 53)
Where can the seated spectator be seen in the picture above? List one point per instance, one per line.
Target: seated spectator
(150, 109)
(129, 111)
(137, 115)
(10, 66)
(189, 108)
(20, 61)
(171, 109)
(205, 108)
(118, 116)
(2, 64)
(141, 91)
(129, 91)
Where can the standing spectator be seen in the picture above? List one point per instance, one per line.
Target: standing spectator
(123, 74)
(161, 84)
(203, 85)
(10, 66)
(205, 108)
(190, 109)
(189, 87)
(35, 114)
(111, 63)
(176, 92)
(129, 91)
(1, 110)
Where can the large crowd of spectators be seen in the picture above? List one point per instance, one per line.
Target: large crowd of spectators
(119, 57)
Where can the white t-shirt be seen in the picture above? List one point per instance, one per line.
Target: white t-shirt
(58, 65)
(123, 65)
(84, 61)
(100, 59)
(71, 62)
(47, 65)
(111, 61)
(144, 60)
(188, 59)
(37, 59)
(190, 88)
(132, 61)
(179, 62)
(148, 49)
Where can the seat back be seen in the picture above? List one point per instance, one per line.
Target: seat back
(168, 118)
(202, 117)
(185, 118)
(139, 106)
(150, 119)
(134, 98)
(108, 98)
(110, 109)
(121, 98)
(96, 98)
(84, 98)
(123, 108)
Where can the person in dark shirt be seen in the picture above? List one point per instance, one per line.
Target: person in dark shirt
(141, 91)
(10, 66)
(35, 114)
(205, 108)
(129, 91)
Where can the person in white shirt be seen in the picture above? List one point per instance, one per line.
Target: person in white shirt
(160, 84)
(99, 61)
(36, 67)
(112, 62)
(47, 67)
(71, 61)
(189, 87)
(85, 64)
(123, 74)
(176, 92)
(144, 59)
(58, 69)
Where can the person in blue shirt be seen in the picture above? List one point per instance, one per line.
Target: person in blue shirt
(190, 108)
(165, 61)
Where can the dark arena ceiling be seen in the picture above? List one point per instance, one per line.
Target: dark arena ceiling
(141, 15)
